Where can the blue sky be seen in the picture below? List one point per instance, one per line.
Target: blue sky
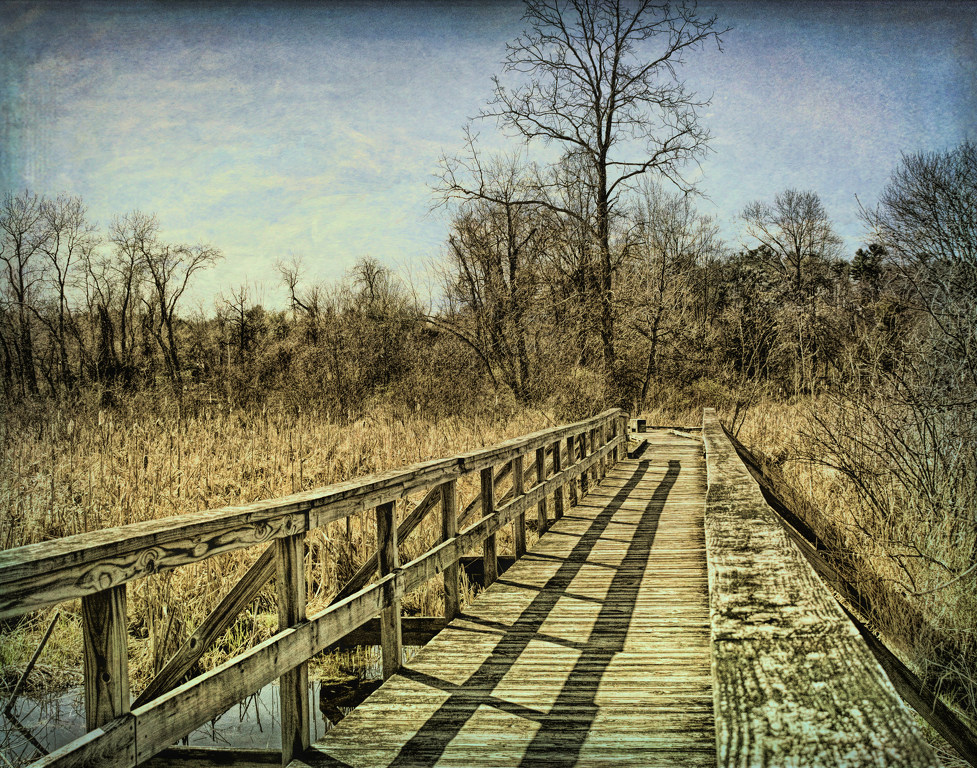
(314, 129)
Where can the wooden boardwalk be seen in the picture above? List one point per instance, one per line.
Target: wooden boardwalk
(668, 619)
(591, 650)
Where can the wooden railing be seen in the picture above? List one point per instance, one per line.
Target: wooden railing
(794, 682)
(96, 567)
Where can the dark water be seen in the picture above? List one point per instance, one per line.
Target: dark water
(39, 724)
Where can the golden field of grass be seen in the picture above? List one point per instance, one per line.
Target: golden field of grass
(68, 473)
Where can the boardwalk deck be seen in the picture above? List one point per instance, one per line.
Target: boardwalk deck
(591, 650)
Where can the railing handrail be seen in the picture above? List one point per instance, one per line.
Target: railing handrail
(120, 735)
(36, 576)
(775, 626)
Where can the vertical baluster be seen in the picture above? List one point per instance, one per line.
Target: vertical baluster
(584, 481)
(571, 460)
(490, 562)
(449, 529)
(543, 524)
(558, 493)
(294, 684)
(106, 661)
(518, 489)
(391, 643)
(592, 446)
(602, 435)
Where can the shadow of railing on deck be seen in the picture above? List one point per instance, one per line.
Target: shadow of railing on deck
(556, 741)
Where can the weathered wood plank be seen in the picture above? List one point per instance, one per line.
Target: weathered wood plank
(414, 630)
(490, 563)
(294, 683)
(212, 757)
(106, 658)
(584, 480)
(519, 524)
(542, 523)
(776, 627)
(449, 529)
(391, 642)
(571, 460)
(558, 492)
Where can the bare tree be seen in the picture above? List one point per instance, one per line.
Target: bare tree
(674, 241)
(167, 270)
(599, 79)
(307, 302)
(798, 243)
(797, 232)
(70, 242)
(22, 239)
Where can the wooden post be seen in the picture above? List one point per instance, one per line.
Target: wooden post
(294, 684)
(519, 524)
(558, 493)
(449, 529)
(106, 661)
(544, 524)
(391, 643)
(571, 460)
(602, 434)
(592, 447)
(584, 482)
(623, 430)
(490, 562)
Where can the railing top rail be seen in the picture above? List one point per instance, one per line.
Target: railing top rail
(38, 575)
(777, 627)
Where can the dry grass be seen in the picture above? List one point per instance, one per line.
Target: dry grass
(68, 472)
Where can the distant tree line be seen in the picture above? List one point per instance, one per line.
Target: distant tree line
(520, 310)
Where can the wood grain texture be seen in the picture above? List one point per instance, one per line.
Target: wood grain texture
(519, 524)
(449, 529)
(542, 522)
(106, 658)
(294, 683)
(391, 642)
(795, 684)
(593, 649)
(557, 469)
(212, 757)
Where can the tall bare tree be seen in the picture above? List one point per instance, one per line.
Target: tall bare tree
(599, 78)
(22, 239)
(798, 243)
(70, 240)
(673, 242)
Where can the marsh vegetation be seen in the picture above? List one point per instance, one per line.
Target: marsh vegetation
(564, 288)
